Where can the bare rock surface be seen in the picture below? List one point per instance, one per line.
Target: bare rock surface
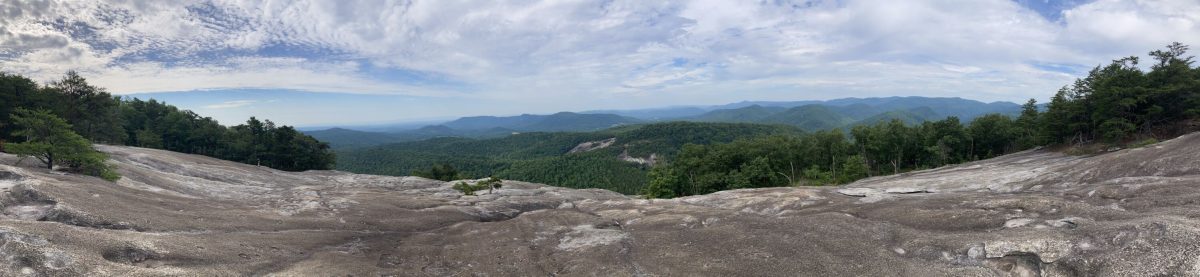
(1131, 212)
(592, 145)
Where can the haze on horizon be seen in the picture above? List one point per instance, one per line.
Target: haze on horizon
(326, 62)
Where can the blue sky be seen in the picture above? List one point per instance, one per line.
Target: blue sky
(313, 62)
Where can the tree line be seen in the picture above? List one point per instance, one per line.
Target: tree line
(98, 116)
(1118, 103)
(543, 157)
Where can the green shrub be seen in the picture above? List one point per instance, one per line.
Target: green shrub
(1142, 143)
(491, 183)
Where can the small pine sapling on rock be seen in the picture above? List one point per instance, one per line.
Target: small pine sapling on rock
(491, 184)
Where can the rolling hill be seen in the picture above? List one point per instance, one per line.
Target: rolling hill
(558, 122)
(547, 157)
(748, 114)
(909, 116)
(809, 118)
(806, 115)
(340, 138)
(847, 112)
(346, 138)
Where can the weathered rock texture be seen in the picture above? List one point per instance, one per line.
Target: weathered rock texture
(1127, 213)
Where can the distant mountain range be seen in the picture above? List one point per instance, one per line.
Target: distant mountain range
(805, 115)
(559, 122)
(862, 108)
(476, 127)
(613, 158)
(813, 117)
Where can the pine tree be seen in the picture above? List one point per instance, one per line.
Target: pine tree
(50, 140)
(93, 112)
(854, 168)
(1028, 121)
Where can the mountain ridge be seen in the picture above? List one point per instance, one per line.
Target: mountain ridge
(856, 109)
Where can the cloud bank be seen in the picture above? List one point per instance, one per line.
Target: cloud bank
(589, 54)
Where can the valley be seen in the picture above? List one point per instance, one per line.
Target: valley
(806, 115)
(547, 157)
(491, 146)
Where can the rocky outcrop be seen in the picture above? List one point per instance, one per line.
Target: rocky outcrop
(592, 145)
(647, 161)
(1127, 213)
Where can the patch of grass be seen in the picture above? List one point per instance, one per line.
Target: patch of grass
(1085, 149)
(1141, 143)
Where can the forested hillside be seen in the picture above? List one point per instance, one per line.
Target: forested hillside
(476, 127)
(1117, 104)
(748, 114)
(558, 122)
(849, 112)
(806, 115)
(103, 118)
(809, 118)
(346, 138)
(544, 157)
(339, 138)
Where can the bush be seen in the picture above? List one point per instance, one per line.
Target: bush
(441, 172)
(817, 177)
(491, 183)
(662, 183)
(1143, 143)
(854, 168)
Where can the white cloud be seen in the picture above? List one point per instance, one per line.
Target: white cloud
(563, 51)
(231, 104)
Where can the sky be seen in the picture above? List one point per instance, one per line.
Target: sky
(319, 62)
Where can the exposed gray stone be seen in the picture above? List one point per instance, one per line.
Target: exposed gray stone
(904, 190)
(1125, 213)
(858, 192)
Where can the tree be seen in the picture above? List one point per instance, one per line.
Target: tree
(1027, 134)
(814, 176)
(93, 112)
(491, 183)
(49, 139)
(441, 171)
(946, 141)
(869, 142)
(98, 116)
(1056, 122)
(755, 174)
(663, 183)
(465, 188)
(1175, 85)
(16, 92)
(896, 140)
(854, 168)
(992, 135)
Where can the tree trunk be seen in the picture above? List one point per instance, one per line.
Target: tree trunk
(790, 181)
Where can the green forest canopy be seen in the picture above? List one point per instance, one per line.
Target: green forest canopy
(101, 117)
(1114, 103)
(542, 157)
